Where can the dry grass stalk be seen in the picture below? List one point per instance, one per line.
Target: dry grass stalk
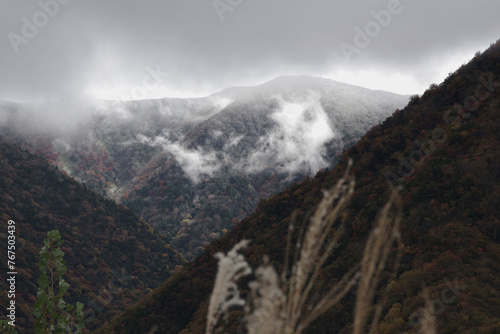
(305, 271)
(225, 293)
(289, 309)
(268, 300)
(377, 249)
(428, 320)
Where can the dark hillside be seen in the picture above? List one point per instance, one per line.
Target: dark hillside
(113, 258)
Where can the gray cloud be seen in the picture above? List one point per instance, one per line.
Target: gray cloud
(195, 163)
(297, 143)
(105, 47)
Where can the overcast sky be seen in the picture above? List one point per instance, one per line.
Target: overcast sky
(154, 48)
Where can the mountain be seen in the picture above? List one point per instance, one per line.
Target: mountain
(113, 258)
(194, 167)
(99, 145)
(270, 136)
(441, 153)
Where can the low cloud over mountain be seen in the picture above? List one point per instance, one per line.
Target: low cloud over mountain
(208, 160)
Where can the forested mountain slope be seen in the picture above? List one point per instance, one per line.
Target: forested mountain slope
(194, 167)
(270, 136)
(99, 147)
(113, 258)
(441, 152)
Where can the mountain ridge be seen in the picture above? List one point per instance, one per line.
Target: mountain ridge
(208, 161)
(251, 146)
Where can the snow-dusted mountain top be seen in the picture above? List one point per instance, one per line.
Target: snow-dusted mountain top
(209, 158)
(282, 117)
(295, 84)
(64, 114)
